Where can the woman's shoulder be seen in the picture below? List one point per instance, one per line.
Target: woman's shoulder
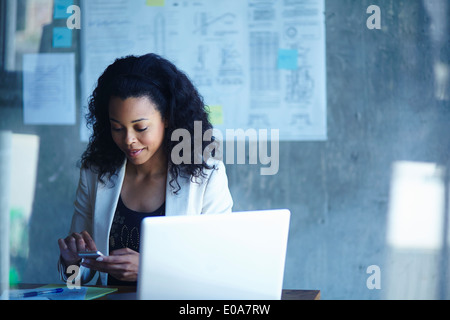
(214, 168)
(89, 171)
(216, 173)
(92, 174)
(215, 164)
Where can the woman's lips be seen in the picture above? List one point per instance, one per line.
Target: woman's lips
(134, 153)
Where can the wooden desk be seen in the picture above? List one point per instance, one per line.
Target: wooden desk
(300, 295)
(286, 294)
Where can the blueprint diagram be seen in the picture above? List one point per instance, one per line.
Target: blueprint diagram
(259, 63)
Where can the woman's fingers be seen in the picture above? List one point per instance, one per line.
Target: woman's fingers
(89, 242)
(74, 243)
(67, 249)
(123, 264)
(71, 243)
(79, 240)
(62, 245)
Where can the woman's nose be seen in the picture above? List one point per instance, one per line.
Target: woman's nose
(130, 138)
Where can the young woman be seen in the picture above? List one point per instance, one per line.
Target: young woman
(127, 172)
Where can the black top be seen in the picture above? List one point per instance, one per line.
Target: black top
(125, 232)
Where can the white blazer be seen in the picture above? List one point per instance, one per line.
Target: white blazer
(96, 203)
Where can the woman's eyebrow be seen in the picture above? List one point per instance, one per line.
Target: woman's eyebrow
(134, 121)
(142, 119)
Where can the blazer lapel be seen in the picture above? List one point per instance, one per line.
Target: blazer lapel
(105, 208)
(108, 195)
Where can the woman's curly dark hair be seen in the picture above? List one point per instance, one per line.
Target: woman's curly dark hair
(176, 99)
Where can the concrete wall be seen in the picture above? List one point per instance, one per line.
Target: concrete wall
(384, 106)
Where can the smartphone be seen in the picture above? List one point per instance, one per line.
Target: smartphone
(90, 254)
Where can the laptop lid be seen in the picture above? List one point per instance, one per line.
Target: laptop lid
(238, 256)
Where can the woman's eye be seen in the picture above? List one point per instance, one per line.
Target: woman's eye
(116, 129)
(141, 130)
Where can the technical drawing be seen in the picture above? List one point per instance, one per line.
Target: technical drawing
(204, 24)
(299, 86)
(258, 121)
(202, 76)
(230, 70)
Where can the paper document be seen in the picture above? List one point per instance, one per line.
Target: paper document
(49, 89)
(66, 294)
(83, 293)
(262, 62)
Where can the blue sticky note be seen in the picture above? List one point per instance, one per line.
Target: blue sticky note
(60, 11)
(287, 59)
(62, 37)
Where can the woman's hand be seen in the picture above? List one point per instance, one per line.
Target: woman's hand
(71, 245)
(122, 264)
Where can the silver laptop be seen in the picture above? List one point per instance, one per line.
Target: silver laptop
(235, 256)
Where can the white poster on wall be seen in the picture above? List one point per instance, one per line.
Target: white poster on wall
(49, 89)
(258, 65)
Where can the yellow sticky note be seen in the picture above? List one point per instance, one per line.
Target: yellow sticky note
(155, 3)
(216, 115)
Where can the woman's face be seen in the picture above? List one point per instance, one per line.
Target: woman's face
(137, 128)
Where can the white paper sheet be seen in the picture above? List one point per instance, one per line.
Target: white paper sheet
(49, 89)
(66, 294)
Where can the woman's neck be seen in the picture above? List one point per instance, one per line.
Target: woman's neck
(155, 167)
